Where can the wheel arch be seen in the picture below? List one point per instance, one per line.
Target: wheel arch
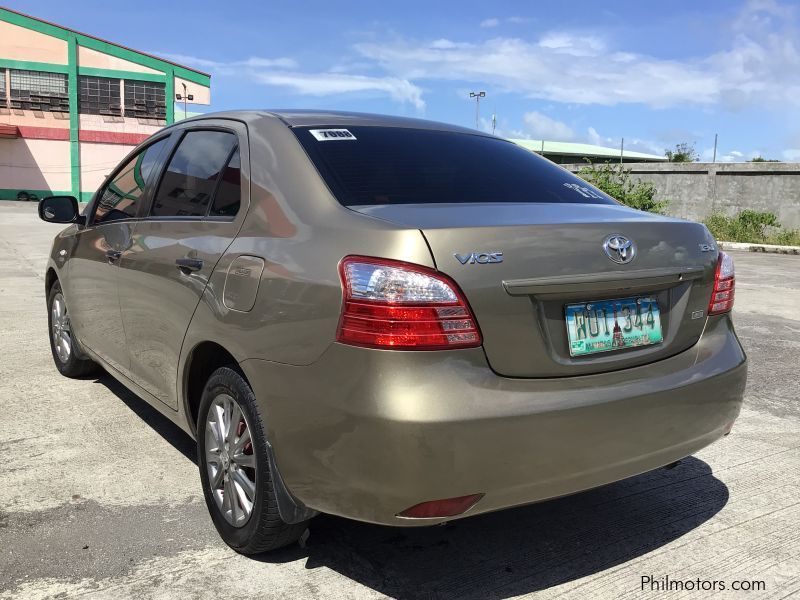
(49, 279)
(203, 359)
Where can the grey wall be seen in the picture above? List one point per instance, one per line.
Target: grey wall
(695, 190)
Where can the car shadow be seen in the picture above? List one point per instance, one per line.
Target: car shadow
(502, 554)
(521, 550)
(160, 424)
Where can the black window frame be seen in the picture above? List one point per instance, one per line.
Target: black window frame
(148, 188)
(129, 108)
(4, 90)
(84, 94)
(156, 183)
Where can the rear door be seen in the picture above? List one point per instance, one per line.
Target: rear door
(92, 285)
(196, 209)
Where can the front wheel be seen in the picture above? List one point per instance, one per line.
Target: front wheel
(234, 468)
(62, 337)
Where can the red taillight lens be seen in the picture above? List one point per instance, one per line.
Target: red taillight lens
(724, 286)
(402, 306)
(449, 507)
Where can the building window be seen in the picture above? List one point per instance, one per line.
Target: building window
(99, 96)
(145, 100)
(38, 90)
(3, 94)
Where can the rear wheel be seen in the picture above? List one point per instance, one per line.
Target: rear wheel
(62, 338)
(234, 468)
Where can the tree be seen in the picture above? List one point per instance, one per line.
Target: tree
(616, 181)
(683, 152)
(762, 159)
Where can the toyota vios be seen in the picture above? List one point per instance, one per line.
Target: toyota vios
(392, 320)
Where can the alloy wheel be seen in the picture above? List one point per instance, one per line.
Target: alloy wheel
(61, 331)
(230, 461)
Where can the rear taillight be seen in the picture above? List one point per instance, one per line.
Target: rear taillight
(724, 284)
(402, 306)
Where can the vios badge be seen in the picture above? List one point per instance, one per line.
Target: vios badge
(619, 249)
(481, 258)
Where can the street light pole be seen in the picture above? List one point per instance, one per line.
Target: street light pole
(715, 148)
(477, 96)
(185, 97)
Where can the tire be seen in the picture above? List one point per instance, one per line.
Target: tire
(62, 340)
(235, 464)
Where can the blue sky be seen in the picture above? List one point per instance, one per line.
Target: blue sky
(653, 73)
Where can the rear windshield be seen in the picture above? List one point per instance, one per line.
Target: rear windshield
(388, 165)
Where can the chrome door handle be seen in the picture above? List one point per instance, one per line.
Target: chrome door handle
(112, 256)
(188, 265)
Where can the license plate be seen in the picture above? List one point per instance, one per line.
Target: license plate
(607, 325)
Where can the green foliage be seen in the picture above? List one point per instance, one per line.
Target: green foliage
(616, 181)
(683, 152)
(753, 227)
(762, 159)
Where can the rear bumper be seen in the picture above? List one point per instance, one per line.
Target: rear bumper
(366, 433)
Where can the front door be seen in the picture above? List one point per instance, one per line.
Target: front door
(92, 291)
(195, 212)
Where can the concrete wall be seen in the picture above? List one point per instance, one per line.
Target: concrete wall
(695, 190)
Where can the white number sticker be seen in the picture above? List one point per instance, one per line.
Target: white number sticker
(582, 190)
(327, 135)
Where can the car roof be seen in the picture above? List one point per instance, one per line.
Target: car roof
(335, 118)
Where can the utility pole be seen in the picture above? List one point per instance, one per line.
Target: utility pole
(494, 122)
(713, 160)
(477, 96)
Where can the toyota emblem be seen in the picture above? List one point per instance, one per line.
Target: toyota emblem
(619, 249)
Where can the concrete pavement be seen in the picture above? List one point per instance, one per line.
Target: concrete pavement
(100, 497)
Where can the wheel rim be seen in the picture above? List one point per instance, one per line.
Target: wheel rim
(61, 330)
(230, 461)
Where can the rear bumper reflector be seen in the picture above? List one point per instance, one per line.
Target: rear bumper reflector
(449, 507)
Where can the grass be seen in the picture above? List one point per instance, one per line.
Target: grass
(751, 227)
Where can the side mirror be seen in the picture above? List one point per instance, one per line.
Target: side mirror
(58, 209)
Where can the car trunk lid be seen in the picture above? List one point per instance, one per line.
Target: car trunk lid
(552, 255)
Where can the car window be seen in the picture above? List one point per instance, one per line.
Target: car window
(191, 177)
(391, 165)
(121, 197)
(229, 193)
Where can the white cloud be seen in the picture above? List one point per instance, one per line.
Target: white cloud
(631, 144)
(760, 67)
(282, 72)
(494, 21)
(541, 126)
(231, 66)
(574, 45)
(326, 84)
(548, 69)
(791, 155)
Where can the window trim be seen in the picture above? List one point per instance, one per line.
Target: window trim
(149, 217)
(209, 216)
(92, 208)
